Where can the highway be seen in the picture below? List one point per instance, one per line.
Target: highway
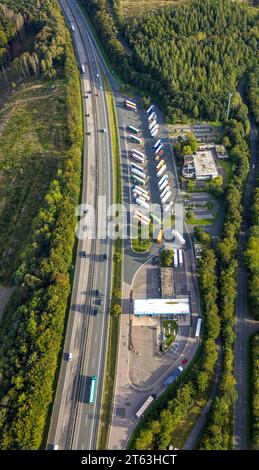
(74, 422)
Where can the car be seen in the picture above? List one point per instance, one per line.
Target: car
(84, 228)
(184, 361)
(180, 368)
(70, 357)
(101, 87)
(85, 211)
(96, 94)
(104, 256)
(97, 75)
(88, 133)
(104, 130)
(84, 254)
(101, 301)
(87, 115)
(95, 312)
(97, 293)
(155, 260)
(253, 166)
(55, 446)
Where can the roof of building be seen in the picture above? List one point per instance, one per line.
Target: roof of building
(204, 163)
(162, 306)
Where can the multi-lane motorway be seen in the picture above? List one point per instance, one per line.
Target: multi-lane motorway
(74, 422)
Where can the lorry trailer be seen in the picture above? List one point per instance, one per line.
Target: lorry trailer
(142, 203)
(165, 177)
(161, 171)
(166, 197)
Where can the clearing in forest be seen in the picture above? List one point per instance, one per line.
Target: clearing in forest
(33, 129)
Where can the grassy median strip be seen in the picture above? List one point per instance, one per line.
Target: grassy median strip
(114, 322)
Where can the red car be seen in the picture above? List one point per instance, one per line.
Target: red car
(184, 361)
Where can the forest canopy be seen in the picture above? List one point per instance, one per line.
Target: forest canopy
(192, 55)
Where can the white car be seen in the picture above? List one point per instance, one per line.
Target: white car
(104, 130)
(180, 368)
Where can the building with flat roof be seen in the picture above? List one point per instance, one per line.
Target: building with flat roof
(204, 164)
(201, 164)
(160, 307)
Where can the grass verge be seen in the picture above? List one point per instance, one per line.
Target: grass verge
(114, 322)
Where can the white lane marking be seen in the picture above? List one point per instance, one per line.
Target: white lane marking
(86, 418)
(93, 361)
(82, 446)
(95, 339)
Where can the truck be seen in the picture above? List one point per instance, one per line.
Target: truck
(175, 259)
(142, 203)
(145, 405)
(172, 377)
(134, 130)
(92, 390)
(154, 131)
(134, 165)
(154, 134)
(163, 185)
(144, 191)
(166, 209)
(178, 236)
(166, 190)
(160, 164)
(137, 157)
(158, 142)
(137, 192)
(153, 124)
(198, 328)
(151, 108)
(166, 197)
(142, 221)
(139, 173)
(142, 216)
(160, 153)
(157, 150)
(154, 128)
(152, 116)
(135, 139)
(138, 153)
(130, 105)
(165, 177)
(161, 171)
(159, 236)
(137, 179)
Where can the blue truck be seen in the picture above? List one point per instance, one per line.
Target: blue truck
(175, 374)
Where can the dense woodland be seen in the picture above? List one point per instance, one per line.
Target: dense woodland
(253, 92)
(33, 325)
(254, 384)
(188, 57)
(218, 432)
(252, 257)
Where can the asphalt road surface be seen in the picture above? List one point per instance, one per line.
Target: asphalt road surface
(74, 421)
